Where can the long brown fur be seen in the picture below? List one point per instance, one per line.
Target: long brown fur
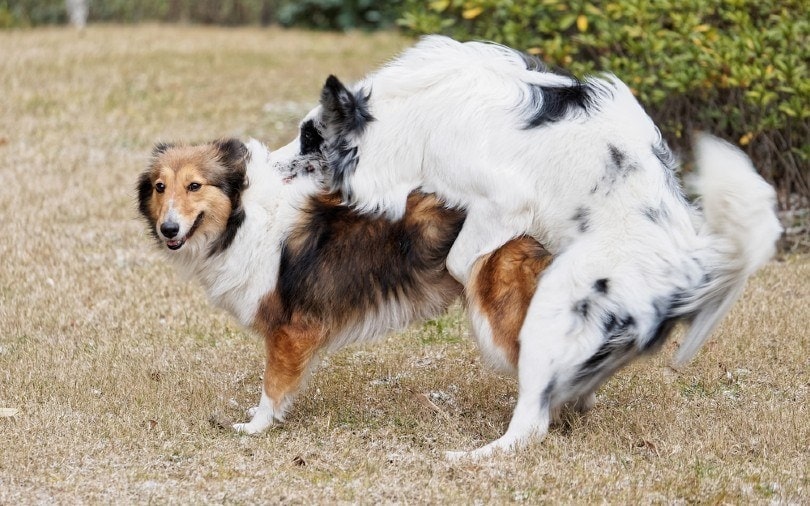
(339, 267)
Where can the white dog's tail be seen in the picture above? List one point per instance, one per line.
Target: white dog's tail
(740, 219)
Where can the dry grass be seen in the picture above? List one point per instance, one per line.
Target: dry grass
(116, 366)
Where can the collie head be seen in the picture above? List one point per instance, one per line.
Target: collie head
(191, 195)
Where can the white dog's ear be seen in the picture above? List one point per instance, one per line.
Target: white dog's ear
(344, 112)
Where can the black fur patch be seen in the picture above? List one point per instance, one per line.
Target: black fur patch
(619, 165)
(620, 340)
(615, 327)
(311, 139)
(617, 156)
(145, 189)
(582, 219)
(655, 215)
(601, 286)
(548, 392)
(550, 104)
(667, 313)
(617, 168)
(367, 260)
(600, 364)
(342, 160)
(581, 308)
(662, 332)
(234, 156)
(222, 242)
(345, 114)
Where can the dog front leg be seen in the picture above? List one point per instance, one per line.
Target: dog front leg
(289, 359)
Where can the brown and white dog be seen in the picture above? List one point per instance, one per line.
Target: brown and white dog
(291, 262)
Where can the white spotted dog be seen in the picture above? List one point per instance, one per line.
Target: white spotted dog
(580, 167)
(306, 272)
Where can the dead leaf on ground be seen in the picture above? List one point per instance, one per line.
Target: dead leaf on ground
(425, 401)
(8, 412)
(647, 445)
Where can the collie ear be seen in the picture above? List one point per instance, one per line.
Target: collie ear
(234, 157)
(160, 148)
(232, 153)
(344, 112)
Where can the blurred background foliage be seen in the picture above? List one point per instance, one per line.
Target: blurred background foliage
(736, 68)
(319, 14)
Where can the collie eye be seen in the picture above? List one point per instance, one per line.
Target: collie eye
(194, 187)
(160, 187)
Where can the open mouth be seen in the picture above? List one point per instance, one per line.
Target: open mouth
(175, 244)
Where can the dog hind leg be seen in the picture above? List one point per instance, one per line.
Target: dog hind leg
(557, 337)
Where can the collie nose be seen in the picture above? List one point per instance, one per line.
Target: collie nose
(169, 229)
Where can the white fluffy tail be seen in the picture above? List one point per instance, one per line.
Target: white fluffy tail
(740, 218)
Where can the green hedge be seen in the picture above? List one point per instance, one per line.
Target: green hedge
(17, 13)
(340, 14)
(736, 68)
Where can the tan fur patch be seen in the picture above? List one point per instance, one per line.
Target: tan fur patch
(290, 343)
(502, 286)
(177, 169)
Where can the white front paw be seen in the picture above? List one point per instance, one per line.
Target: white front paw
(261, 417)
(250, 427)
